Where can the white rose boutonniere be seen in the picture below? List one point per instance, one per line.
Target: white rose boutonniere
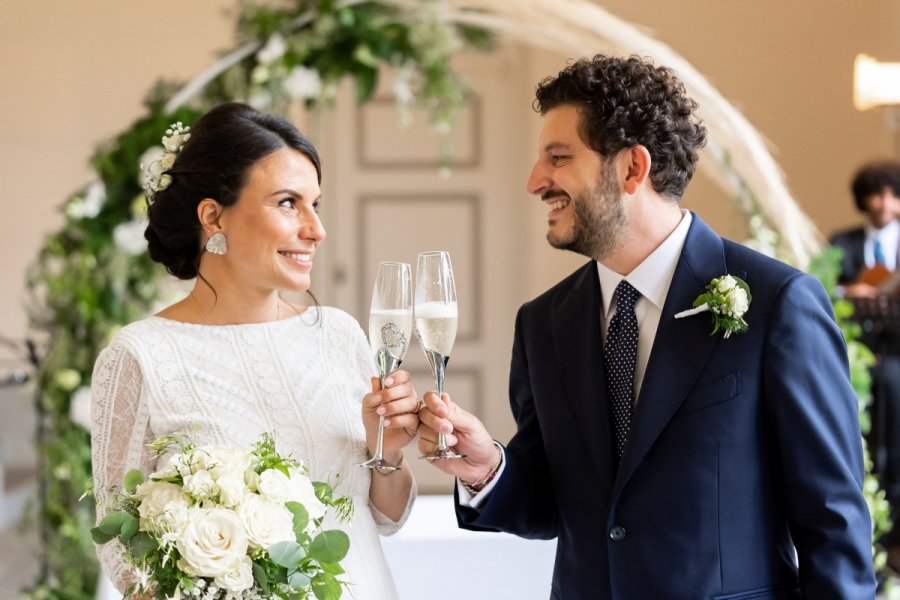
(726, 298)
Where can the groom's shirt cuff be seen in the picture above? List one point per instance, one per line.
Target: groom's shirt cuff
(476, 500)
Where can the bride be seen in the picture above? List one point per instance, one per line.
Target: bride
(233, 203)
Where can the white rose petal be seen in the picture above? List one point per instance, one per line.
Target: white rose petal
(149, 157)
(129, 237)
(238, 580)
(200, 485)
(302, 82)
(301, 490)
(274, 485)
(174, 142)
(80, 407)
(726, 283)
(273, 50)
(167, 161)
(265, 521)
(232, 488)
(737, 301)
(213, 543)
(155, 497)
(222, 460)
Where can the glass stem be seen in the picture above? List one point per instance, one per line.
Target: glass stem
(379, 441)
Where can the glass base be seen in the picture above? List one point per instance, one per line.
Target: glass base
(380, 464)
(442, 454)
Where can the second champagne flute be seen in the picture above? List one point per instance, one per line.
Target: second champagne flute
(390, 325)
(436, 317)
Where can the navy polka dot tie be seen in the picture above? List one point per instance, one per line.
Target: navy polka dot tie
(619, 357)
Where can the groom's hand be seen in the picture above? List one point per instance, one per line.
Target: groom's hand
(464, 432)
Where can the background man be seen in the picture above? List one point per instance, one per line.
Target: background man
(869, 254)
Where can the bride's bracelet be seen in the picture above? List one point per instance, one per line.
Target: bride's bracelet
(476, 486)
(388, 472)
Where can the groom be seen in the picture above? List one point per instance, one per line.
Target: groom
(669, 462)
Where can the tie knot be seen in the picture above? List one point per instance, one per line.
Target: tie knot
(626, 296)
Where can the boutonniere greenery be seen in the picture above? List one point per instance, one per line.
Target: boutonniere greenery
(726, 298)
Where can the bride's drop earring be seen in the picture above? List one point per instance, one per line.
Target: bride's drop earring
(217, 244)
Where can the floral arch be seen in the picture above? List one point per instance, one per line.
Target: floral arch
(93, 275)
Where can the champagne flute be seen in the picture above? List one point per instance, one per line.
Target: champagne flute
(390, 325)
(436, 317)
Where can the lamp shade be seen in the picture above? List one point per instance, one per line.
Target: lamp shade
(875, 83)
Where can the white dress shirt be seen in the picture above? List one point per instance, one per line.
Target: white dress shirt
(889, 237)
(652, 279)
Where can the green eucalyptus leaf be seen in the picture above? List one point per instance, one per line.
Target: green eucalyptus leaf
(142, 545)
(129, 528)
(99, 537)
(330, 546)
(259, 574)
(326, 588)
(112, 523)
(301, 518)
(299, 580)
(287, 554)
(133, 478)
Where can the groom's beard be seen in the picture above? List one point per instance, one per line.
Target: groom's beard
(599, 220)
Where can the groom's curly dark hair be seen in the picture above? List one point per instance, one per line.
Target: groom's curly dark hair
(624, 102)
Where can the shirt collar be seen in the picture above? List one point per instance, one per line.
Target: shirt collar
(889, 232)
(654, 275)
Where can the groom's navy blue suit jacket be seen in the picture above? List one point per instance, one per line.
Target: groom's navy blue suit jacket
(741, 449)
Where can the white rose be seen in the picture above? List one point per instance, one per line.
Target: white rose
(222, 460)
(274, 485)
(301, 490)
(251, 478)
(238, 580)
(231, 488)
(213, 544)
(266, 522)
(737, 302)
(273, 50)
(200, 485)
(129, 237)
(726, 283)
(150, 156)
(176, 515)
(80, 407)
(175, 464)
(156, 496)
(302, 82)
(174, 142)
(167, 161)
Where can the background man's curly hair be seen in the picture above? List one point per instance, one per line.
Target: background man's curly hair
(624, 102)
(872, 178)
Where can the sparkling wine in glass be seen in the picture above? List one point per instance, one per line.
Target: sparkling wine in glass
(436, 317)
(390, 326)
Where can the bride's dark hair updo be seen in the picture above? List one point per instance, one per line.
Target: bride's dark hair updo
(214, 163)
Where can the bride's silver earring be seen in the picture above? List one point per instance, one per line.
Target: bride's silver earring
(217, 244)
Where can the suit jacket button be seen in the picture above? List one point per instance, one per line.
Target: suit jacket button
(617, 533)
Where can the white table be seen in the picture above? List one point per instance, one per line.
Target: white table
(431, 558)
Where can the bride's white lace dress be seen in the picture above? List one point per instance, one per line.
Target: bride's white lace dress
(301, 378)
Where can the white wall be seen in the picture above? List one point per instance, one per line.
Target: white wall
(74, 74)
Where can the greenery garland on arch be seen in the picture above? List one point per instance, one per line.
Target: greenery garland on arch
(93, 275)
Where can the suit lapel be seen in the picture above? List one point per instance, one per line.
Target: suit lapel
(681, 349)
(578, 346)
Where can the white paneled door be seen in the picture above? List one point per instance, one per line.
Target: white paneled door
(387, 196)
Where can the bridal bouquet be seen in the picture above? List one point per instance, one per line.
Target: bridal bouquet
(217, 523)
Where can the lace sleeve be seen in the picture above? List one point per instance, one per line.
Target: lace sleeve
(120, 432)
